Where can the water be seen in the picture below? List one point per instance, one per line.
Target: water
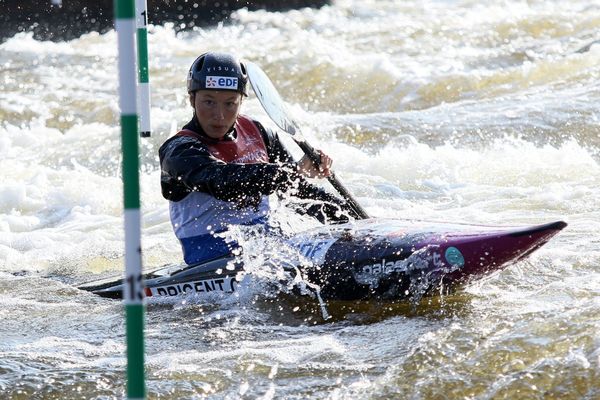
(462, 111)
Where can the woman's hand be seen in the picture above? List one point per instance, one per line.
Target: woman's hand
(307, 167)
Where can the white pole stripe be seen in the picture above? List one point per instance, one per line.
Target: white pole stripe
(133, 258)
(140, 19)
(144, 91)
(127, 63)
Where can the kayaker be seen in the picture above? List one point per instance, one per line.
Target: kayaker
(220, 169)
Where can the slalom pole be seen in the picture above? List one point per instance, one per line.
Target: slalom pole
(133, 291)
(143, 89)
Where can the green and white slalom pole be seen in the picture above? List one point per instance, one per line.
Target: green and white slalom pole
(143, 89)
(133, 291)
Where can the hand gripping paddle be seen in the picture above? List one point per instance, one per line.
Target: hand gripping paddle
(275, 107)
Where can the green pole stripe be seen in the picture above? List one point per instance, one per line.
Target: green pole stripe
(135, 351)
(124, 9)
(142, 34)
(131, 174)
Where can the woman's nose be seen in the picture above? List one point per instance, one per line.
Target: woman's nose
(219, 111)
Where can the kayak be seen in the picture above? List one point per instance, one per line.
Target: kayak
(371, 259)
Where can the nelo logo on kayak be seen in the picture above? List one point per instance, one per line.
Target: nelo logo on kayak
(226, 284)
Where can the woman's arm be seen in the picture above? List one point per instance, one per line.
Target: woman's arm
(188, 166)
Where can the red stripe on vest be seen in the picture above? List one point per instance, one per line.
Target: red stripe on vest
(247, 148)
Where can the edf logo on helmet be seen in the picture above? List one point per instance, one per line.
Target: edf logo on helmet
(221, 82)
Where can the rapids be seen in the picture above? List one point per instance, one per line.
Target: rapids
(460, 111)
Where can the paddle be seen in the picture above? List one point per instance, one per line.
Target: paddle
(275, 107)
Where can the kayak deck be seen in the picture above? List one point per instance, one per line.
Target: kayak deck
(369, 259)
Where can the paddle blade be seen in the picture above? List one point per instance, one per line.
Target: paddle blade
(270, 100)
(277, 111)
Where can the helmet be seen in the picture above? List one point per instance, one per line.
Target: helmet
(217, 71)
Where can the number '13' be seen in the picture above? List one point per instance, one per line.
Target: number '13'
(135, 287)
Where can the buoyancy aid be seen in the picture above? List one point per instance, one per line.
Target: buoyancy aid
(247, 148)
(199, 216)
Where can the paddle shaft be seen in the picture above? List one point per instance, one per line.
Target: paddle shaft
(355, 208)
(273, 104)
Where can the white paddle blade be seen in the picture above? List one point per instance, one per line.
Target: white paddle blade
(270, 100)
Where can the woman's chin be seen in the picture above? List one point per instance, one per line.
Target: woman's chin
(216, 134)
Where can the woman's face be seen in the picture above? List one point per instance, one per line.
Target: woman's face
(216, 110)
